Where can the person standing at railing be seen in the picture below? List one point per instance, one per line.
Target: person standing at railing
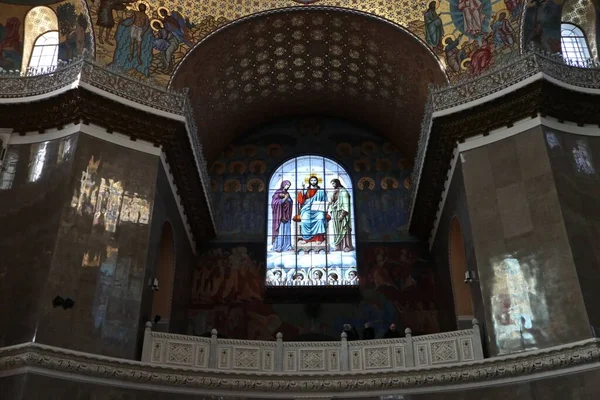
(392, 332)
(369, 332)
(350, 332)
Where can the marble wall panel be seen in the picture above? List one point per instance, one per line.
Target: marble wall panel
(575, 162)
(34, 187)
(99, 255)
(527, 274)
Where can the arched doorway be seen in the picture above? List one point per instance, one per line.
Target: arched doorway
(463, 303)
(165, 274)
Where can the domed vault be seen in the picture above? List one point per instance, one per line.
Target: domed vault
(302, 61)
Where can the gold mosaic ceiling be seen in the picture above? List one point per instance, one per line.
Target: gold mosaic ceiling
(401, 12)
(305, 61)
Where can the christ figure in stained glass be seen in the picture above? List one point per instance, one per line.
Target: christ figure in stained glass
(313, 212)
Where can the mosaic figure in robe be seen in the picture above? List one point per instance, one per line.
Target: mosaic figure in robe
(313, 213)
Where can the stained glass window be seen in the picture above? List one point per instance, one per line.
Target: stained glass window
(573, 44)
(311, 240)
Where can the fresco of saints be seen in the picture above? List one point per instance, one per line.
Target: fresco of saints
(472, 16)
(282, 205)
(434, 29)
(503, 31)
(313, 215)
(339, 207)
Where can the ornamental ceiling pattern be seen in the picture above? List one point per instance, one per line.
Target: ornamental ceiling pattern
(309, 60)
(468, 36)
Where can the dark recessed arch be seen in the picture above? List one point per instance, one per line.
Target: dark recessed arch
(309, 61)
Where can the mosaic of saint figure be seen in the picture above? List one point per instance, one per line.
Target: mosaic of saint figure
(434, 28)
(472, 16)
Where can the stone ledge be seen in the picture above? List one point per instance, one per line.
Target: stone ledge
(523, 366)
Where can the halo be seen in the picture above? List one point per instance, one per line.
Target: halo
(160, 26)
(463, 64)
(136, 7)
(446, 37)
(307, 178)
(159, 9)
(437, 4)
(503, 11)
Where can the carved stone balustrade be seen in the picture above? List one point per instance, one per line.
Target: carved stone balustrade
(310, 357)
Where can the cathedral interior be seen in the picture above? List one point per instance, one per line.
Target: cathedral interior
(299, 199)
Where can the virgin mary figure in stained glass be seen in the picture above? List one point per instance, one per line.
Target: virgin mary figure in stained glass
(282, 205)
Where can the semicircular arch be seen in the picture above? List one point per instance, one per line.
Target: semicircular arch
(309, 61)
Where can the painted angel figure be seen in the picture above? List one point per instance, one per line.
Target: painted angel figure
(171, 31)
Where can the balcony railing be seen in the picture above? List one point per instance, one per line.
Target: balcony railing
(310, 357)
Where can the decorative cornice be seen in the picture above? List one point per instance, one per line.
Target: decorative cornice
(523, 366)
(145, 96)
(529, 84)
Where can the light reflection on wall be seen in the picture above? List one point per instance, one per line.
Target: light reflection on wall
(85, 201)
(511, 305)
(582, 158)
(105, 286)
(9, 168)
(552, 140)
(108, 204)
(107, 201)
(37, 160)
(135, 209)
(64, 149)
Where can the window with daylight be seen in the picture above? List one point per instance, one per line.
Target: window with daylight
(311, 239)
(574, 44)
(45, 52)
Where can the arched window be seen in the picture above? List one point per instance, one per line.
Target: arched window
(41, 28)
(582, 13)
(574, 44)
(311, 239)
(45, 52)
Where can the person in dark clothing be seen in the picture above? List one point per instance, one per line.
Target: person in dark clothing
(369, 332)
(351, 333)
(391, 333)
